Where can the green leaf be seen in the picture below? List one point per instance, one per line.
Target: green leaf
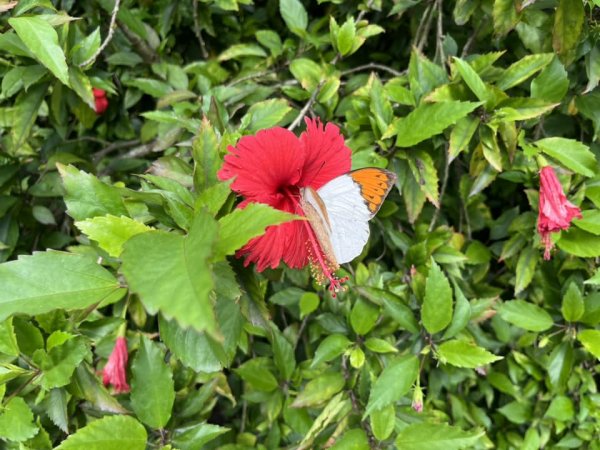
(561, 408)
(423, 169)
(523, 69)
(517, 412)
(283, 354)
(525, 315)
(331, 347)
(152, 389)
(10, 372)
(309, 302)
(43, 215)
(86, 196)
(345, 36)
(205, 151)
(238, 227)
(266, 114)
(59, 363)
(464, 354)
(505, 16)
(590, 339)
(85, 49)
(436, 312)
(356, 356)
(428, 120)
(54, 280)
(579, 243)
(472, 79)
(383, 421)
(16, 421)
(590, 221)
(294, 15)
(255, 372)
(592, 67)
(271, 40)
(437, 436)
(213, 198)
(27, 106)
(378, 345)
(559, 366)
(526, 265)
(108, 433)
(307, 72)
(571, 153)
(363, 317)
(42, 41)
(172, 274)
(551, 84)
(193, 437)
(8, 339)
(393, 383)
(424, 76)
(111, 232)
(355, 439)
(395, 308)
(191, 347)
(241, 50)
(572, 305)
(568, 24)
(319, 390)
(462, 314)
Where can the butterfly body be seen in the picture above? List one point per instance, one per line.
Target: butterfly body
(339, 212)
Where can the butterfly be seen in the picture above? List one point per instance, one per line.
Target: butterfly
(339, 211)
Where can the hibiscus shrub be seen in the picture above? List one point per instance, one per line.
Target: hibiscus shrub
(159, 287)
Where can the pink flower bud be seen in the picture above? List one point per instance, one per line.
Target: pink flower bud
(114, 370)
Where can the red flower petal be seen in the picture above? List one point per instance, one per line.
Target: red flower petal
(555, 211)
(101, 104)
(285, 242)
(114, 370)
(265, 164)
(98, 92)
(327, 156)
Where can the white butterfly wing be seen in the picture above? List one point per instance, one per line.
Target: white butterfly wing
(348, 216)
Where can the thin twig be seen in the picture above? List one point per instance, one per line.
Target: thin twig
(442, 190)
(88, 139)
(315, 93)
(109, 36)
(197, 31)
(356, 406)
(114, 146)
(251, 76)
(307, 106)
(439, 48)
(373, 66)
(138, 152)
(423, 28)
(147, 53)
(469, 43)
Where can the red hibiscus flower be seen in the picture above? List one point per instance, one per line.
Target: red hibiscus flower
(271, 167)
(114, 370)
(100, 99)
(555, 211)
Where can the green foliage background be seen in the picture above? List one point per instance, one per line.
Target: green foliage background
(118, 219)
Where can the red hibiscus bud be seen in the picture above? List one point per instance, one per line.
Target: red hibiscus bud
(114, 370)
(555, 211)
(101, 100)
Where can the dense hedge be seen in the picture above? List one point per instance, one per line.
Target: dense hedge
(118, 239)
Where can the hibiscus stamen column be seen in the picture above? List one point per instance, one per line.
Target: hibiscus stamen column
(319, 261)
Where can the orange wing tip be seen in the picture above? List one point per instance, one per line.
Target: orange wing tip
(375, 184)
